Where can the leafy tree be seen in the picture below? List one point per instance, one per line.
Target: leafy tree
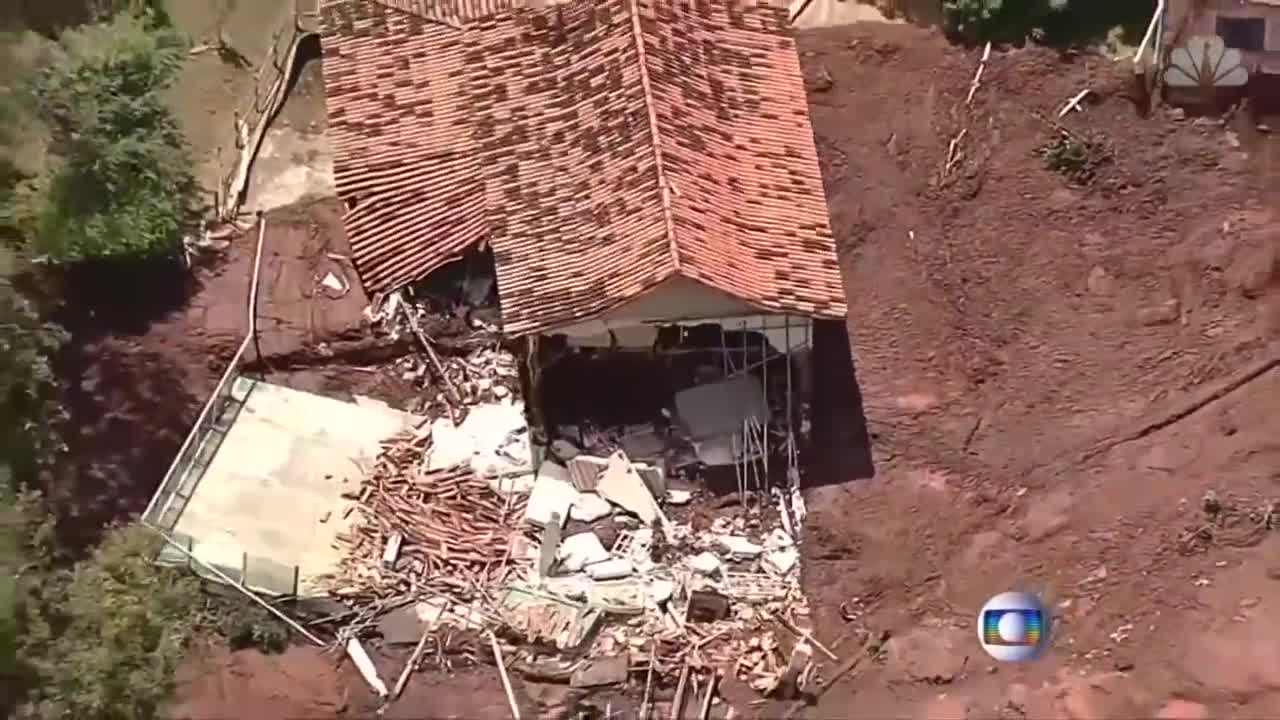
(104, 637)
(29, 411)
(117, 184)
(1056, 22)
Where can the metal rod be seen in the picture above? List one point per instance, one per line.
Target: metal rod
(764, 371)
(253, 293)
(748, 465)
(191, 436)
(238, 586)
(791, 439)
(1151, 28)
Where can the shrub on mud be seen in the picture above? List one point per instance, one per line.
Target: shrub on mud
(1078, 158)
(99, 638)
(117, 182)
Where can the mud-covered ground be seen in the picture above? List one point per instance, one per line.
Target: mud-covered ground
(1010, 326)
(1053, 376)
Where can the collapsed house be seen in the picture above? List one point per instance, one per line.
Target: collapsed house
(645, 176)
(630, 194)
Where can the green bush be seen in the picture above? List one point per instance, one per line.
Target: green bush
(1055, 22)
(1078, 158)
(245, 624)
(29, 412)
(118, 184)
(103, 638)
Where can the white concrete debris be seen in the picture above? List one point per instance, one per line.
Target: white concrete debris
(580, 550)
(551, 494)
(661, 591)
(739, 546)
(780, 562)
(506, 485)
(332, 282)
(623, 486)
(706, 563)
(778, 540)
(590, 507)
(493, 438)
(679, 497)
(609, 569)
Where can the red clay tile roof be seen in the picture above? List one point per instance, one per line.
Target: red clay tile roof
(600, 147)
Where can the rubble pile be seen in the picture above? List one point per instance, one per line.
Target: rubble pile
(578, 567)
(420, 527)
(591, 559)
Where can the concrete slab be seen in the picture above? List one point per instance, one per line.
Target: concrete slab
(273, 491)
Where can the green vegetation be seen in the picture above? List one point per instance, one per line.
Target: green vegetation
(116, 183)
(92, 167)
(1055, 22)
(103, 637)
(1078, 158)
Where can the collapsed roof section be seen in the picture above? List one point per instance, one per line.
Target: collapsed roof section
(601, 147)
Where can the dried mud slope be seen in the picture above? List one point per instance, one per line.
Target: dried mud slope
(1004, 321)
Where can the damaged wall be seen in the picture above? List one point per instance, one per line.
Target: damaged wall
(675, 299)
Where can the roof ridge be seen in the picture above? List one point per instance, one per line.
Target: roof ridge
(664, 186)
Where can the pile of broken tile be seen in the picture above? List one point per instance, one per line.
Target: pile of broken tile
(590, 557)
(592, 554)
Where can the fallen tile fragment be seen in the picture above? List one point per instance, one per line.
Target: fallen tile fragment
(585, 471)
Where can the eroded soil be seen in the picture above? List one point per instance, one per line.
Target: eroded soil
(1007, 325)
(1016, 335)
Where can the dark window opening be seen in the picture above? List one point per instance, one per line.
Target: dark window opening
(1243, 33)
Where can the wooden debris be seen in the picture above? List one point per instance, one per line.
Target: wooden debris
(712, 681)
(366, 667)
(977, 76)
(506, 681)
(677, 704)
(648, 683)
(1074, 102)
(454, 530)
(409, 666)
